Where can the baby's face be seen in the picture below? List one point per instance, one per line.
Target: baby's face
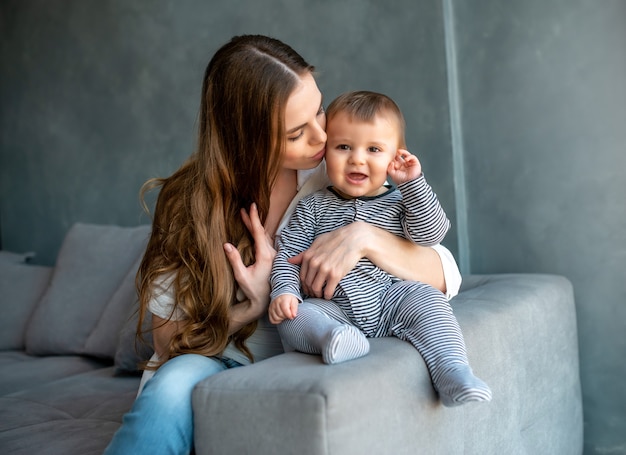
(358, 154)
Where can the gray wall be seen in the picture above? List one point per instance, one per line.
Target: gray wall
(98, 96)
(524, 145)
(543, 101)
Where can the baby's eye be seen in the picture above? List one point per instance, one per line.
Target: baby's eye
(374, 149)
(343, 147)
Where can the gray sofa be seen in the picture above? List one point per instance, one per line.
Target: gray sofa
(68, 370)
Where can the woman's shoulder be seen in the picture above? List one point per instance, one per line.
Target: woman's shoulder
(162, 302)
(163, 283)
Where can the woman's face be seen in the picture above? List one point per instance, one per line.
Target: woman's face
(305, 122)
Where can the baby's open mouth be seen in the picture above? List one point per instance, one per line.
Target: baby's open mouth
(357, 176)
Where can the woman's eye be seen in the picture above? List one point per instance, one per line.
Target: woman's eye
(295, 138)
(321, 111)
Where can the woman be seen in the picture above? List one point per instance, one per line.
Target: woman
(205, 273)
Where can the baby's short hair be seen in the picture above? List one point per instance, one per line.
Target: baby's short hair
(364, 106)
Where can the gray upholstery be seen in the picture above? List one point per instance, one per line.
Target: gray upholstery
(77, 414)
(22, 286)
(520, 332)
(68, 393)
(21, 371)
(92, 264)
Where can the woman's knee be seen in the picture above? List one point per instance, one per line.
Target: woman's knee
(177, 377)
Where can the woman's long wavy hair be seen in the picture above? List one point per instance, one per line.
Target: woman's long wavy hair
(240, 146)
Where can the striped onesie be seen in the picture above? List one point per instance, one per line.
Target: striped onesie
(369, 302)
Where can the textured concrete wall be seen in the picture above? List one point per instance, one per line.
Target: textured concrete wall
(96, 97)
(543, 99)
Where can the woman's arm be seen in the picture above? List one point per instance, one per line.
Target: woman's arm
(253, 284)
(163, 331)
(334, 254)
(243, 313)
(404, 259)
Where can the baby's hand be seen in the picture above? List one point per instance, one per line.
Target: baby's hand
(404, 167)
(283, 307)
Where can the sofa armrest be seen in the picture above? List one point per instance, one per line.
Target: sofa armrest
(520, 332)
(291, 400)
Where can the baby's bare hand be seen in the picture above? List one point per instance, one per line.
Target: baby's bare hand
(283, 307)
(404, 167)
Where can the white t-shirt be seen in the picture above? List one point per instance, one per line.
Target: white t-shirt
(265, 341)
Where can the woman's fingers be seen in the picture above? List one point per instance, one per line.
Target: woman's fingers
(263, 244)
(253, 280)
(328, 260)
(235, 260)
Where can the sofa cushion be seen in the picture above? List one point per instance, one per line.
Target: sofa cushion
(131, 352)
(103, 340)
(20, 371)
(76, 414)
(91, 265)
(21, 287)
(15, 258)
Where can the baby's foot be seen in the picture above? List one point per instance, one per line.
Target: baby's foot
(345, 342)
(460, 386)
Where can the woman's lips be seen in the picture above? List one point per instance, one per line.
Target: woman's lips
(319, 155)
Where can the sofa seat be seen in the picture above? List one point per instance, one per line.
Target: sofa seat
(77, 414)
(68, 357)
(21, 371)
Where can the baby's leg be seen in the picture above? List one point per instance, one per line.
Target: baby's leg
(421, 315)
(322, 328)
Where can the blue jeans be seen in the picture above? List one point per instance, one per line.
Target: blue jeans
(161, 419)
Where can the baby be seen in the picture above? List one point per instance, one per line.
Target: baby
(365, 146)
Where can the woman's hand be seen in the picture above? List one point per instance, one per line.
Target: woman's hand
(253, 279)
(331, 257)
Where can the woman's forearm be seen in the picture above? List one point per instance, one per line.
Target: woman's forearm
(404, 259)
(243, 313)
(163, 331)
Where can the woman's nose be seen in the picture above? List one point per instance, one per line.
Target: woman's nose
(320, 130)
(319, 135)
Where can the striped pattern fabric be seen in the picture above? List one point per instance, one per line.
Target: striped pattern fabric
(411, 311)
(370, 299)
(314, 331)
(411, 211)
